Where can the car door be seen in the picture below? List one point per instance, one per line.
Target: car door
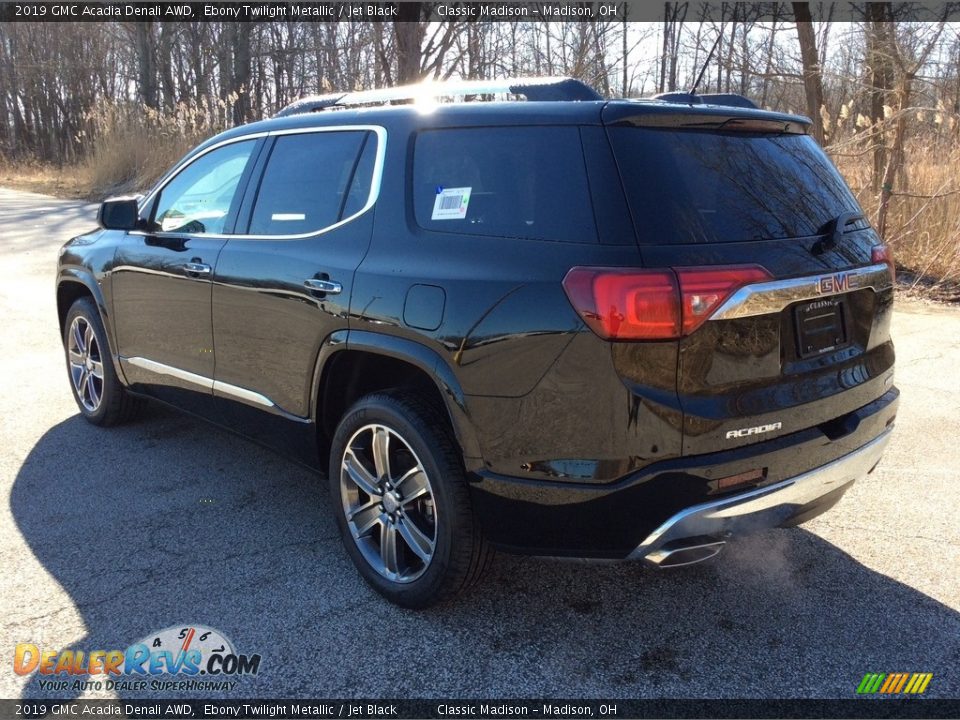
(161, 279)
(284, 286)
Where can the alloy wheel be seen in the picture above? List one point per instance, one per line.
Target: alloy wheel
(388, 503)
(86, 363)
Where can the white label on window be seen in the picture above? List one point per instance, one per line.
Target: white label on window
(288, 216)
(451, 203)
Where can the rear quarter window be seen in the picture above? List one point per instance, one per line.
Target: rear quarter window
(515, 182)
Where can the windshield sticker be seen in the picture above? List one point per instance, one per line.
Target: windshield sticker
(451, 203)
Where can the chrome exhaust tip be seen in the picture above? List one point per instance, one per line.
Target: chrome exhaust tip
(680, 555)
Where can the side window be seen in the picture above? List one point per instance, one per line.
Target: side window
(200, 197)
(312, 181)
(521, 182)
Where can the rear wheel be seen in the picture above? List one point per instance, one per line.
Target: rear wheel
(101, 397)
(401, 501)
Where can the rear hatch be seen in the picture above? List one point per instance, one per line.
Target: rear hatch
(793, 332)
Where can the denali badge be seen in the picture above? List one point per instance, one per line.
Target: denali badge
(744, 432)
(838, 283)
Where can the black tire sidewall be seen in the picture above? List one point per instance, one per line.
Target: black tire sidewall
(433, 449)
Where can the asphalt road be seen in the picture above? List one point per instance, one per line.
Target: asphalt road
(108, 535)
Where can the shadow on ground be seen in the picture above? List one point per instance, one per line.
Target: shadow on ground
(168, 521)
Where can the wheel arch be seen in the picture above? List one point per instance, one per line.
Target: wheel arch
(356, 362)
(73, 284)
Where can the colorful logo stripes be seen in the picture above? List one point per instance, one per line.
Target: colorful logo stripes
(894, 683)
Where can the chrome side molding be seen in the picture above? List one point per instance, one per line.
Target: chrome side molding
(773, 296)
(162, 369)
(217, 387)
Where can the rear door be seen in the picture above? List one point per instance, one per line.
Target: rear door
(283, 284)
(806, 341)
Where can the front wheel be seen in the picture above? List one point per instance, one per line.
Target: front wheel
(401, 501)
(101, 397)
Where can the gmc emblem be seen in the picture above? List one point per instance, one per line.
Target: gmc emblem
(838, 283)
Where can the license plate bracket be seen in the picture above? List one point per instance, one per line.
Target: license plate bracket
(820, 327)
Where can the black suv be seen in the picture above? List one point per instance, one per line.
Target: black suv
(562, 326)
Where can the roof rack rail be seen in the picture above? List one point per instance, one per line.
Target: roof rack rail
(730, 99)
(559, 89)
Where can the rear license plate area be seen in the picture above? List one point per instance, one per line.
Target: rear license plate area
(820, 327)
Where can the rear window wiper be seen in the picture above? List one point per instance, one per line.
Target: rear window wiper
(834, 230)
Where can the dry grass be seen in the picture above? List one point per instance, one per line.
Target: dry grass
(135, 145)
(66, 182)
(924, 218)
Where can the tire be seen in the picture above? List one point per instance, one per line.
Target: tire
(406, 523)
(100, 396)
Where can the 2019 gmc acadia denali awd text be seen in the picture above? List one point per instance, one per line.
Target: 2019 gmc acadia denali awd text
(564, 326)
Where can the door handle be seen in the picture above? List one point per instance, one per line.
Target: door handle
(197, 268)
(325, 286)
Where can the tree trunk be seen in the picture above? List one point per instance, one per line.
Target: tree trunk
(812, 78)
(147, 62)
(408, 34)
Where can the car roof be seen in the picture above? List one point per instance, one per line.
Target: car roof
(473, 114)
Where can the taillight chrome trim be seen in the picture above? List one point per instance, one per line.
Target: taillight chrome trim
(771, 297)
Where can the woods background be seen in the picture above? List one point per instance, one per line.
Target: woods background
(112, 105)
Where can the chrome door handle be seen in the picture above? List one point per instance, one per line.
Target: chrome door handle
(195, 268)
(324, 286)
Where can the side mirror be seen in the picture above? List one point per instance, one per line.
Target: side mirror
(120, 213)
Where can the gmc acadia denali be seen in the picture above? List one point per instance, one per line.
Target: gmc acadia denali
(561, 326)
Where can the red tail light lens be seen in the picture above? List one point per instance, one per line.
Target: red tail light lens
(626, 304)
(705, 289)
(883, 254)
(622, 304)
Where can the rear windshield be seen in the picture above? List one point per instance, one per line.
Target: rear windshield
(519, 182)
(705, 187)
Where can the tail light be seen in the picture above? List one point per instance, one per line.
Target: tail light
(883, 254)
(663, 304)
(705, 289)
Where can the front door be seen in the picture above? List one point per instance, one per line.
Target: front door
(162, 275)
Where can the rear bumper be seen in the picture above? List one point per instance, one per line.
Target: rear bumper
(699, 532)
(652, 512)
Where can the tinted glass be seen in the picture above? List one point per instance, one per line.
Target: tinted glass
(304, 186)
(692, 187)
(199, 199)
(523, 182)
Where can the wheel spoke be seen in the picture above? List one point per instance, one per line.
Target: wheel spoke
(89, 340)
(365, 517)
(388, 549)
(381, 452)
(360, 476)
(78, 338)
(76, 357)
(415, 539)
(93, 391)
(97, 370)
(82, 385)
(413, 485)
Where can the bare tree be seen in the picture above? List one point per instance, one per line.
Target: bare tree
(812, 78)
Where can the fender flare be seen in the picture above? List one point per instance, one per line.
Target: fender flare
(83, 276)
(414, 353)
